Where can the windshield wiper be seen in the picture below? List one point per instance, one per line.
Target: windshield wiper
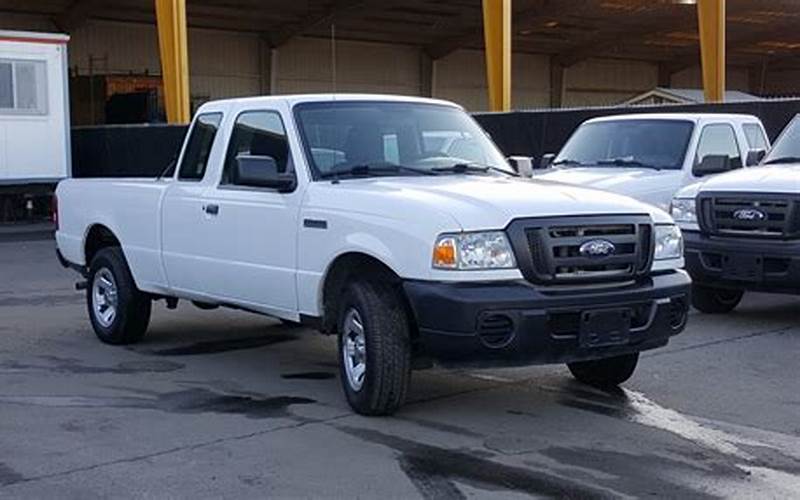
(783, 159)
(367, 170)
(567, 161)
(622, 162)
(466, 168)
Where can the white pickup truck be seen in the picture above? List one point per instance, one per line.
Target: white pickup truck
(743, 228)
(650, 157)
(349, 213)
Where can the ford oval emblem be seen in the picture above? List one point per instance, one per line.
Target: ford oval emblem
(596, 249)
(749, 214)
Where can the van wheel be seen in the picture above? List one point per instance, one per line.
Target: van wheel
(607, 372)
(119, 312)
(374, 348)
(715, 300)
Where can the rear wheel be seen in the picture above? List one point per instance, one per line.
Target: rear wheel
(712, 300)
(119, 312)
(374, 348)
(606, 372)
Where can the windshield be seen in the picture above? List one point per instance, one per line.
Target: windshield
(396, 138)
(658, 144)
(787, 148)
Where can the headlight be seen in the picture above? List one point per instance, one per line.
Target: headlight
(471, 251)
(684, 210)
(669, 242)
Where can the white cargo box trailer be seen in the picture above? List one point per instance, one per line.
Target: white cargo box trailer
(34, 108)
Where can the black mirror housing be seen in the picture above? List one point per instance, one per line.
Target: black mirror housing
(546, 161)
(262, 172)
(754, 156)
(712, 164)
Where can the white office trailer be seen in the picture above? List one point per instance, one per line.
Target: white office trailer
(34, 109)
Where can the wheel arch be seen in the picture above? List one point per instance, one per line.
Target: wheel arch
(99, 236)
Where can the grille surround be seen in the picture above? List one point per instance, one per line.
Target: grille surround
(547, 249)
(717, 215)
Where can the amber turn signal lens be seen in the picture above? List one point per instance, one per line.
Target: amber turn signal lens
(444, 253)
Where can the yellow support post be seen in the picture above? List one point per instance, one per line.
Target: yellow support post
(171, 18)
(711, 21)
(497, 34)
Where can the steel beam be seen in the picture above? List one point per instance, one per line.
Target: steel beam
(171, 18)
(711, 21)
(497, 34)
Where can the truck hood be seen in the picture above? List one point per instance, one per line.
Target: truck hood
(767, 179)
(628, 181)
(474, 202)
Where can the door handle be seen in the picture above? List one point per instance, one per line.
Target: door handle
(211, 209)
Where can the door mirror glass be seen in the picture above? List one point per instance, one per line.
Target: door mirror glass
(261, 171)
(712, 164)
(547, 160)
(522, 164)
(754, 156)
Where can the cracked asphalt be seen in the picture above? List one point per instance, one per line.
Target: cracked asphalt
(225, 404)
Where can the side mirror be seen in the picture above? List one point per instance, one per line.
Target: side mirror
(262, 171)
(547, 160)
(754, 156)
(712, 164)
(522, 164)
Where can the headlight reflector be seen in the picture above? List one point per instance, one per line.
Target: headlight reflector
(669, 242)
(473, 251)
(684, 210)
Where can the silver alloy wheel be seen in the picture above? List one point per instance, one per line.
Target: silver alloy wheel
(104, 297)
(354, 349)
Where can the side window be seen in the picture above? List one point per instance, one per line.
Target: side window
(198, 149)
(755, 136)
(719, 140)
(257, 133)
(23, 87)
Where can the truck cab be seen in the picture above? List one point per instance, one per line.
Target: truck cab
(652, 156)
(391, 222)
(742, 228)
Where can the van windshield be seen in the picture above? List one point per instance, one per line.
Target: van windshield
(787, 147)
(371, 138)
(646, 143)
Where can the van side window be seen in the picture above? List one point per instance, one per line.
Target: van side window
(257, 133)
(755, 136)
(198, 149)
(720, 140)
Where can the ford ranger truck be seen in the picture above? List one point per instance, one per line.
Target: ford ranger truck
(742, 229)
(352, 214)
(651, 157)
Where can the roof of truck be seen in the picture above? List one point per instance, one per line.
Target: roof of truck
(305, 98)
(694, 117)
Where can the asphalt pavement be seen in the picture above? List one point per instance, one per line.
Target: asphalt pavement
(227, 404)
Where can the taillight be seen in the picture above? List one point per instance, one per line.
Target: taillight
(54, 210)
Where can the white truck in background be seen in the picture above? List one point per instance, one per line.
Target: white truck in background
(350, 213)
(650, 157)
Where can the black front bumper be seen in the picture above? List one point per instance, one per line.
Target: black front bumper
(760, 265)
(517, 323)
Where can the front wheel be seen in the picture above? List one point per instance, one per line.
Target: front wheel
(374, 348)
(119, 312)
(715, 300)
(608, 372)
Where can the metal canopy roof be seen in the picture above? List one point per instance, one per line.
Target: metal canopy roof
(663, 31)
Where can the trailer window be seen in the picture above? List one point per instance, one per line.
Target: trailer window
(23, 87)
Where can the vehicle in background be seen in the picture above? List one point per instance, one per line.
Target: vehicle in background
(742, 228)
(650, 157)
(392, 222)
(34, 120)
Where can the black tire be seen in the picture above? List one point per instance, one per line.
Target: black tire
(132, 311)
(715, 300)
(387, 347)
(608, 372)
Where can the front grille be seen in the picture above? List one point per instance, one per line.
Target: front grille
(582, 249)
(750, 215)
